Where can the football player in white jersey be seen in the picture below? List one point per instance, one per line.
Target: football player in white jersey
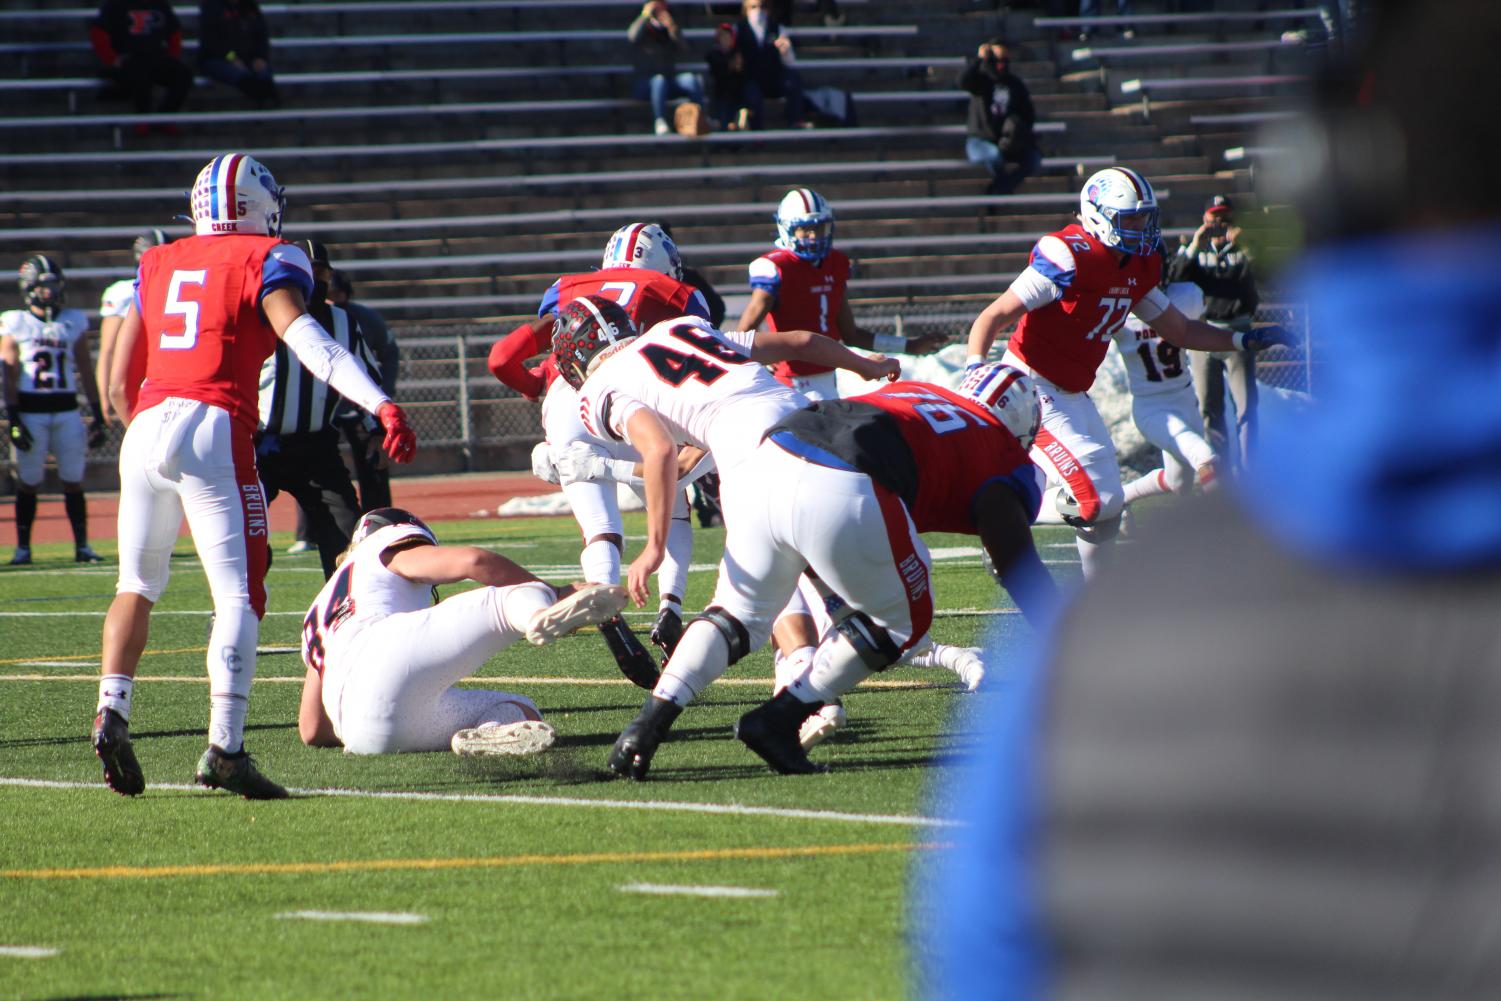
(383, 656)
(45, 350)
(113, 305)
(683, 382)
(1163, 404)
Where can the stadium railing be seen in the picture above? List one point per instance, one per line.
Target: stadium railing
(1220, 84)
(1192, 19)
(1187, 50)
(278, 11)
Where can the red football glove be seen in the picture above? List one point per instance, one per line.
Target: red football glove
(401, 440)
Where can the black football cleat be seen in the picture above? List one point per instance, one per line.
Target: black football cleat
(111, 739)
(633, 659)
(631, 756)
(771, 730)
(667, 630)
(235, 773)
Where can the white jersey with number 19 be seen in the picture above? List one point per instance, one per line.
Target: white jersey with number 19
(699, 381)
(1154, 366)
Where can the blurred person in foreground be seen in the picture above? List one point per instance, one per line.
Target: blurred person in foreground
(1295, 798)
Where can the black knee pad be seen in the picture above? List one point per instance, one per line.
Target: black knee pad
(872, 643)
(731, 628)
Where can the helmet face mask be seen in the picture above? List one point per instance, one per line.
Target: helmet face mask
(1009, 395)
(41, 281)
(643, 245)
(805, 224)
(587, 331)
(233, 194)
(1118, 207)
(384, 517)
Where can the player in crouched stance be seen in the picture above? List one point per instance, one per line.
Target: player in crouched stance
(858, 479)
(383, 656)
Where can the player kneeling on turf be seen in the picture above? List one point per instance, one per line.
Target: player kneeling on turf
(382, 656)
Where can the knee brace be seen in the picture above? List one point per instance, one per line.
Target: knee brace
(732, 629)
(872, 643)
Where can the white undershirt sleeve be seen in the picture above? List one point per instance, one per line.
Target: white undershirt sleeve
(323, 357)
(1151, 306)
(1035, 289)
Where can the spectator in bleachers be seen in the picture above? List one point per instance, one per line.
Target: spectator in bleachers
(1001, 118)
(139, 45)
(727, 101)
(783, 11)
(768, 57)
(1091, 8)
(371, 467)
(1220, 266)
(234, 47)
(658, 40)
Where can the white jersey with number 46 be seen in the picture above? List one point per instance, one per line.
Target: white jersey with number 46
(1154, 366)
(699, 381)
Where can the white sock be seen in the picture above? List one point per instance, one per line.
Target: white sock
(671, 604)
(701, 657)
(231, 668)
(1150, 485)
(520, 603)
(789, 667)
(672, 575)
(600, 562)
(836, 669)
(1095, 544)
(115, 692)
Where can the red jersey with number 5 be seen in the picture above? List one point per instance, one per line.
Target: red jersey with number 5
(932, 447)
(808, 297)
(1065, 341)
(205, 335)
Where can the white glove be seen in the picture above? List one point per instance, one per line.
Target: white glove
(583, 461)
(542, 467)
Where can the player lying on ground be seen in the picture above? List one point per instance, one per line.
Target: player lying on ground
(383, 655)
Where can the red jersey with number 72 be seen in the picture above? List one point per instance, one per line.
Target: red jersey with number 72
(1065, 341)
(201, 319)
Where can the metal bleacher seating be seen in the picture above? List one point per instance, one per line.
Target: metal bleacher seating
(457, 155)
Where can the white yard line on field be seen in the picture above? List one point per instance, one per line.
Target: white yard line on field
(28, 951)
(666, 890)
(723, 809)
(367, 917)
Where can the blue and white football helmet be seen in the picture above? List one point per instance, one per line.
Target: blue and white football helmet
(1007, 393)
(805, 208)
(235, 193)
(643, 245)
(1119, 208)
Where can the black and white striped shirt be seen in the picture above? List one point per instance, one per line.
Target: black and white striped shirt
(291, 400)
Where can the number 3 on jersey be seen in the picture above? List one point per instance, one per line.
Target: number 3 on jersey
(185, 308)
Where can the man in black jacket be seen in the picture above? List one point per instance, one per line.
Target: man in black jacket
(1215, 262)
(234, 47)
(139, 44)
(1001, 117)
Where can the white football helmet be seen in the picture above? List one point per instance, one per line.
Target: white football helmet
(800, 208)
(1119, 208)
(1008, 394)
(235, 193)
(643, 245)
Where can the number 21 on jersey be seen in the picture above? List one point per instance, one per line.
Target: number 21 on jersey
(186, 307)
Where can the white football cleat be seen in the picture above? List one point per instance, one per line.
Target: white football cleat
(589, 605)
(821, 725)
(530, 736)
(965, 661)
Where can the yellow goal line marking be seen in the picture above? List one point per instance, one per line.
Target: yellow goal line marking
(438, 864)
(487, 680)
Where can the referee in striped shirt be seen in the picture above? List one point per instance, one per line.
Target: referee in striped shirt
(297, 446)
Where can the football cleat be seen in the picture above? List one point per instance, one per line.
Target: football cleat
(530, 736)
(111, 740)
(630, 656)
(22, 557)
(235, 773)
(821, 725)
(83, 554)
(631, 756)
(299, 547)
(667, 630)
(771, 730)
(589, 604)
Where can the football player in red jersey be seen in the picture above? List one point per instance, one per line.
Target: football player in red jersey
(802, 285)
(642, 271)
(209, 308)
(1079, 285)
(857, 480)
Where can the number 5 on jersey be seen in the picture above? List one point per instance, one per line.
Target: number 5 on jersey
(185, 308)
